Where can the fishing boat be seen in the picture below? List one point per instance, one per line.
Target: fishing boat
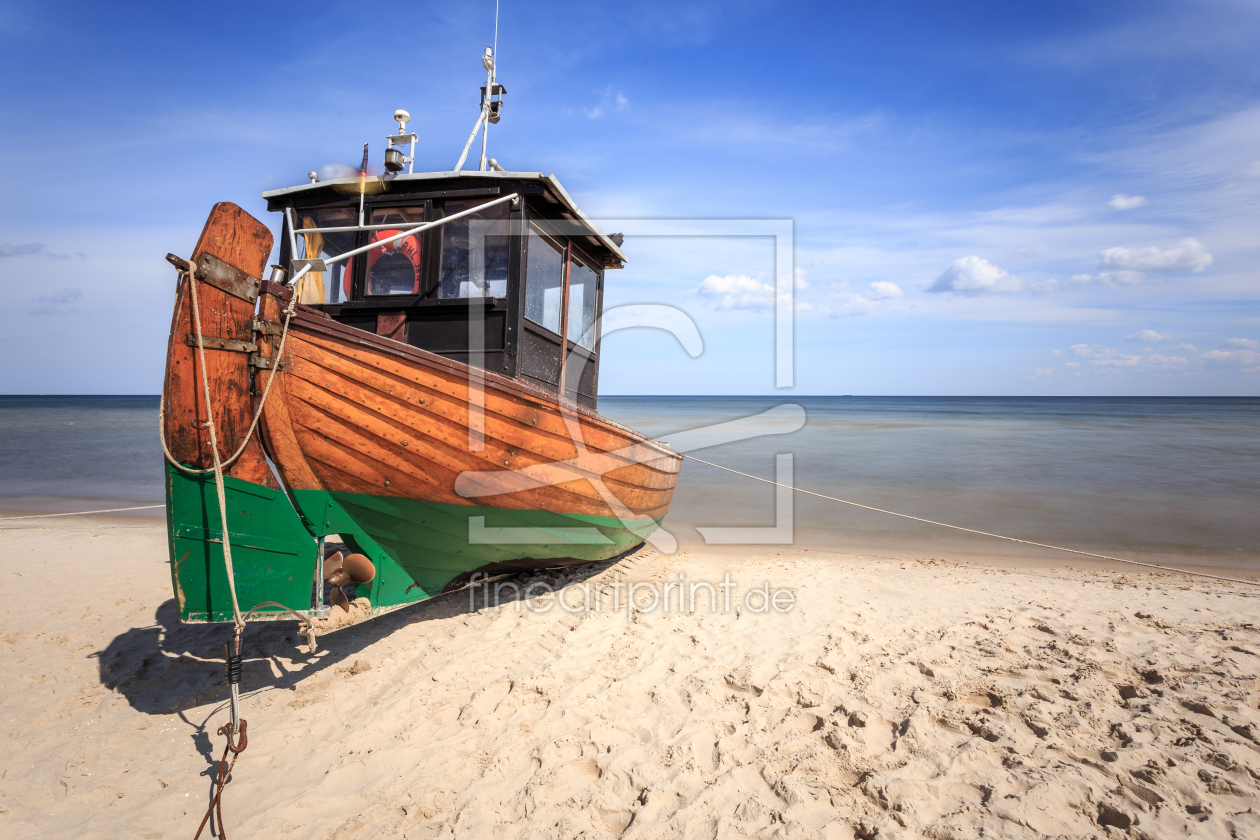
(417, 380)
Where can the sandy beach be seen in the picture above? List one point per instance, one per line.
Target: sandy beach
(879, 696)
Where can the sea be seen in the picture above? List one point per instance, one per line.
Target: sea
(1156, 479)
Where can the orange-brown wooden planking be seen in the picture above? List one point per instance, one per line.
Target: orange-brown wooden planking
(357, 413)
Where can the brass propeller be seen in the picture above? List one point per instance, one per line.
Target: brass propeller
(340, 570)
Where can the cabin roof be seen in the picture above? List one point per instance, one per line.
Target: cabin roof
(550, 183)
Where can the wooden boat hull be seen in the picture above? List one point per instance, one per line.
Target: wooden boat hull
(433, 469)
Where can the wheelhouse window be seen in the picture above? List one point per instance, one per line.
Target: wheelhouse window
(475, 252)
(544, 280)
(332, 286)
(583, 288)
(396, 268)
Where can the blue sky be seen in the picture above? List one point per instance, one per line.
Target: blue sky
(988, 198)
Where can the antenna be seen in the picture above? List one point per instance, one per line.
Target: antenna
(491, 101)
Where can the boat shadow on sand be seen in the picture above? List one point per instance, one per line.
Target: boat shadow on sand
(171, 668)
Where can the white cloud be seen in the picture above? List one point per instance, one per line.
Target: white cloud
(1120, 278)
(608, 101)
(847, 304)
(1239, 352)
(1105, 356)
(975, 276)
(1120, 201)
(1232, 358)
(798, 278)
(731, 283)
(855, 305)
(1160, 362)
(1148, 337)
(1187, 257)
(1043, 372)
(1045, 287)
(739, 291)
(1056, 352)
(883, 289)
(1235, 353)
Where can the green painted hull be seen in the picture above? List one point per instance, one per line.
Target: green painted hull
(419, 548)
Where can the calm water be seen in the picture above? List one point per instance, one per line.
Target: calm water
(1155, 478)
(79, 453)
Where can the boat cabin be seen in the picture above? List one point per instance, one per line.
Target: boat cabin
(516, 287)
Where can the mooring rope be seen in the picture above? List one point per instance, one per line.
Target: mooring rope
(78, 513)
(974, 531)
(218, 463)
(236, 726)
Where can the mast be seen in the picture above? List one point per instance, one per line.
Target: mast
(491, 109)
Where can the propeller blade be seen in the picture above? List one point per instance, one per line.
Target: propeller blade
(359, 568)
(339, 599)
(332, 565)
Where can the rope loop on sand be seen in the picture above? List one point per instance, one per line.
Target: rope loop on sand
(973, 531)
(307, 625)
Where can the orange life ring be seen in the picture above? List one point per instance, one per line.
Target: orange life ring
(409, 247)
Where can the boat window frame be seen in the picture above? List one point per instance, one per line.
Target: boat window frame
(562, 242)
(359, 280)
(437, 241)
(575, 253)
(586, 261)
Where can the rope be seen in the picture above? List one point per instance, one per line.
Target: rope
(973, 531)
(307, 626)
(214, 450)
(79, 513)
